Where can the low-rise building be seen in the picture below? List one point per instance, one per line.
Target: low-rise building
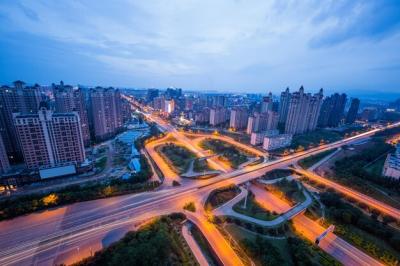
(391, 167)
(257, 138)
(273, 142)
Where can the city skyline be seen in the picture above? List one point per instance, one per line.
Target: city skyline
(319, 45)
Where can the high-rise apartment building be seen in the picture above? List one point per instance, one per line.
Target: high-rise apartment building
(353, 111)
(151, 94)
(303, 112)
(169, 106)
(106, 112)
(332, 110)
(238, 118)
(217, 116)
(284, 105)
(19, 98)
(267, 103)
(260, 122)
(69, 99)
(4, 163)
(50, 139)
(218, 101)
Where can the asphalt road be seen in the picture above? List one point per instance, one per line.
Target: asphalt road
(69, 233)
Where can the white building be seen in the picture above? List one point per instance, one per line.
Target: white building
(169, 106)
(257, 138)
(217, 116)
(238, 118)
(277, 141)
(391, 167)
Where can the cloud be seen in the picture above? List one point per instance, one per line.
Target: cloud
(225, 44)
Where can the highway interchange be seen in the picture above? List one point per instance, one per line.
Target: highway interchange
(70, 233)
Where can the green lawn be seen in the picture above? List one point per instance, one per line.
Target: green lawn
(288, 190)
(177, 156)
(311, 160)
(253, 209)
(201, 166)
(220, 196)
(227, 151)
(376, 167)
(277, 173)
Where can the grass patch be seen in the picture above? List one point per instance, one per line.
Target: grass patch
(158, 243)
(221, 195)
(227, 152)
(287, 190)
(277, 173)
(201, 166)
(101, 164)
(311, 160)
(190, 206)
(254, 209)
(376, 167)
(177, 156)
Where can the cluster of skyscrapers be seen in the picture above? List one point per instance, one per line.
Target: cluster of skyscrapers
(50, 127)
(295, 113)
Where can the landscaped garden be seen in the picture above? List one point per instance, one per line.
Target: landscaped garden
(289, 191)
(177, 156)
(254, 209)
(227, 152)
(220, 196)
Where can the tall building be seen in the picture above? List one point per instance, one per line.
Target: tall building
(238, 119)
(106, 112)
(218, 101)
(159, 103)
(303, 112)
(4, 163)
(169, 106)
(151, 94)
(353, 111)
(260, 122)
(284, 105)
(332, 110)
(217, 116)
(267, 103)
(69, 99)
(50, 139)
(19, 98)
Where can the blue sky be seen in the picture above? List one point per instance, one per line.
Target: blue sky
(238, 46)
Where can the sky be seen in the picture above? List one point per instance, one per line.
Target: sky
(224, 45)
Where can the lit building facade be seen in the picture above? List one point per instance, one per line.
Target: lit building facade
(238, 118)
(19, 98)
(303, 112)
(106, 112)
(272, 142)
(391, 167)
(69, 99)
(50, 139)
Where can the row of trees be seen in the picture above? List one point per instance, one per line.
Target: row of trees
(158, 243)
(344, 216)
(352, 169)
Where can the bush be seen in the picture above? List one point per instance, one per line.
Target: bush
(190, 206)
